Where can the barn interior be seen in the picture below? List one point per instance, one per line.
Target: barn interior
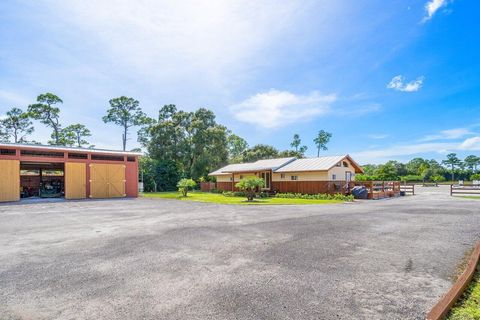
(42, 180)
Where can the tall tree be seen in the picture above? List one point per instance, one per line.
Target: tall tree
(47, 113)
(193, 140)
(296, 144)
(322, 140)
(472, 162)
(259, 152)
(452, 161)
(236, 146)
(16, 125)
(126, 113)
(76, 132)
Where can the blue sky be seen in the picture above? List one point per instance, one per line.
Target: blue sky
(389, 79)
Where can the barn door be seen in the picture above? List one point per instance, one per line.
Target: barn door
(98, 181)
(10, 180)
(116, 180)
(75, 180)
(107, 180)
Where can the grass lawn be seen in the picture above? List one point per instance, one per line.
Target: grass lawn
(468, 307)
(219, 198)
(471, 197)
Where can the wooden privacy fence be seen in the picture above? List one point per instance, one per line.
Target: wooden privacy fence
(376, 189)
(207, 186)
(312, 187)
(408, 188)
(472, 190)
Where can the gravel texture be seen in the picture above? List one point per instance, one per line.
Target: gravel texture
(166, 259)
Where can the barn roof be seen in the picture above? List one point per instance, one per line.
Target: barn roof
(68, 149)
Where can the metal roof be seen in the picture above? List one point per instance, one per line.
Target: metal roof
(287, 165)
(73, 149)
(268, 164)
(317, 164)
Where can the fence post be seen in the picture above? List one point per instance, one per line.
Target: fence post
(451, 190)
(413, 189)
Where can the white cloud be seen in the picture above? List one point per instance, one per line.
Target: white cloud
(276, 108)
(13, 98)
(472, 144)
(432, 6)
(179, 41)
(450, 134)
(398, 83)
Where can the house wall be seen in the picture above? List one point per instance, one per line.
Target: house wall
(302, 176)
(224, 178)
(341, 171)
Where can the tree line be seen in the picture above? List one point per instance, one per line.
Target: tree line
(419, 169)
(183, 144)
(178, 144)
(17, 124)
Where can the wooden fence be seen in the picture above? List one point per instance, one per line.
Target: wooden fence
(376, 189)
(472, 190)
(207, 186)
(380, 189)
(408, 189)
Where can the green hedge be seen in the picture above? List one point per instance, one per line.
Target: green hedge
(319, 196)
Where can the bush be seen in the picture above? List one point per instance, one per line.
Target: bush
(475, 176)
(184, 184)
(437, 178)
(319, 196)
(250, 186)
(411, 177)
(234, 194)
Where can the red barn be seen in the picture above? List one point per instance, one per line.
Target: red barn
(74, 173)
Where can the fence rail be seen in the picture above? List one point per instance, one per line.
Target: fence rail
(464, 190)
(408, 189)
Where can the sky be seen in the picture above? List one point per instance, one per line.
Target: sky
(389, 79)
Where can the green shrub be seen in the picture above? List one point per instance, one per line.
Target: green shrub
(475, 176)
(411, 177)
(184, 185)
(319, 196)
(227, 193)
(250, 186)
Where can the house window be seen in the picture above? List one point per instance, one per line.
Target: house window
(231, 179)
(282, 176)
(334, 177)
(345, 164)
(294, 178)
(339, 164)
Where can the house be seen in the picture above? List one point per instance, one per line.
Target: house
(310, 175)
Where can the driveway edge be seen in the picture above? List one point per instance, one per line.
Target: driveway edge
(440, 310)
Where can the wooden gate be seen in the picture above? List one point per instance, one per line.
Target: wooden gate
(9, 180)
(75, 180)
(107, 180)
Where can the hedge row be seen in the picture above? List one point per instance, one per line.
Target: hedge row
(320, 196)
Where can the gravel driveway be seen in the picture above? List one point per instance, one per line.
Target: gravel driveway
(165, 259)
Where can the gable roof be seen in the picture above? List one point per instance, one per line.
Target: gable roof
(318, 164)
(268, 164)
(287, 165)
